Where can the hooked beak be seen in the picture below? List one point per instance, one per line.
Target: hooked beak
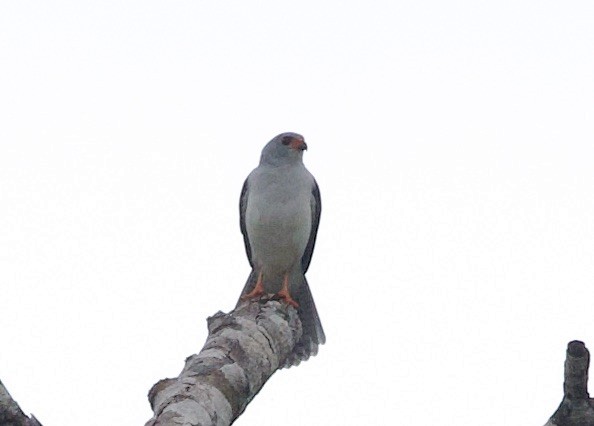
(298, 145)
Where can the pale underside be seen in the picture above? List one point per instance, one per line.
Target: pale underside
(278, 222)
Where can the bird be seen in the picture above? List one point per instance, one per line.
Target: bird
(279, 212)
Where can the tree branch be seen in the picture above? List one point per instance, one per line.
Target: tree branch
(243, 349)
(577, 408)
(10, 412)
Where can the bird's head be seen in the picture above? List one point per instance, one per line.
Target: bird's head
(286, 148)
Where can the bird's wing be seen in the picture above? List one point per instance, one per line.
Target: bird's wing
(242, 208)
(316, 210)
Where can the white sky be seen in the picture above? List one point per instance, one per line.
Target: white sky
(452, 142)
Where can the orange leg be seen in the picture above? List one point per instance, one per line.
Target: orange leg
(284, 293)
(257, 291)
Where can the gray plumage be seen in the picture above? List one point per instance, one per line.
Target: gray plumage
(280, 210)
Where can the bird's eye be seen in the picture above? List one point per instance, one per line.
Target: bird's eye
(287, 140)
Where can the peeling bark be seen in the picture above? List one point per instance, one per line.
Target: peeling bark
(243, 349)
(10, 412)
(577, 408)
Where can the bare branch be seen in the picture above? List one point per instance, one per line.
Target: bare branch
(244, 348)
(10, 412)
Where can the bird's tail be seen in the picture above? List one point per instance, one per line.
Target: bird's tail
(249, 285)
(313, 333)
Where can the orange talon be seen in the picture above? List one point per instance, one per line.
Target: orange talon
(284, 293)
(257, 291)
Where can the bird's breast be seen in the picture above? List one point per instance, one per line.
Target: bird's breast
(278, 222)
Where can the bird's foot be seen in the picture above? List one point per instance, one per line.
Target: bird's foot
(254, 294)
(258, 290)
(284, 295)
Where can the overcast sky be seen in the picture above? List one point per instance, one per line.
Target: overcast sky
(452, 142)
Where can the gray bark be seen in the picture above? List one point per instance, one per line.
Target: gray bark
(577, 408)
(243, 349)
(10, 412)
